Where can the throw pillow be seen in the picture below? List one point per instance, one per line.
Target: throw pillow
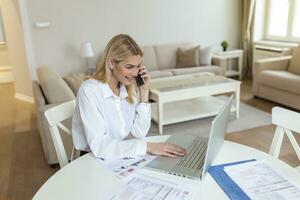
(187, 58)
(74, 81)
(205, 55)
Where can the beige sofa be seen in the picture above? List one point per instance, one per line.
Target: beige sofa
(52, 89)
(278, 79)
(160, 60)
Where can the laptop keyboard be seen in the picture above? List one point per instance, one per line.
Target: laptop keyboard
(195, 157)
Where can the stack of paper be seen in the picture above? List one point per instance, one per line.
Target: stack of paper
(138, 187)
(253, 180)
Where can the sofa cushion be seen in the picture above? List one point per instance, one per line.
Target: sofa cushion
(283, 80)
(54, 87)
(159, 74)
(295, 62)
(205, 56)
(74, 81)
(181, 71)
(149, 58)
(187, 58)
(166, 54)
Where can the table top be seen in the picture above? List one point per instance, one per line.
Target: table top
(182, 82)
(85, 178)
(229, 52)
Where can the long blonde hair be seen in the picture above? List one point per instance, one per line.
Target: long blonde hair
(120, 48)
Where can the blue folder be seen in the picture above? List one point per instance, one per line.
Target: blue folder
(233, 191)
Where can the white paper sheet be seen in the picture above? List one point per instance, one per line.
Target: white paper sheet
(125, 166)
(259, 181)
(142, 187)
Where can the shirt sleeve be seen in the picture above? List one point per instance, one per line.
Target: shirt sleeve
(142, 120)
(100, 143)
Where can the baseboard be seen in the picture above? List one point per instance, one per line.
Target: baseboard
(24, 97)
(6, 74)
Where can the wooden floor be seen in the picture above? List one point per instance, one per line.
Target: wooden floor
(23, 168)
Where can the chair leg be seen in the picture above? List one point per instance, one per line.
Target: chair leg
(59, 147)
(277, 141)
(293, 142)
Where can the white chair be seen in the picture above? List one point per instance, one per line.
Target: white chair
(55, 116)
(288, 122)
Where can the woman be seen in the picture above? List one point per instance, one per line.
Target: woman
(109, 106)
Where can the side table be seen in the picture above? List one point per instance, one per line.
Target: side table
(227, 56)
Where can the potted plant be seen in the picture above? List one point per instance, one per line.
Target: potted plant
(224, 45)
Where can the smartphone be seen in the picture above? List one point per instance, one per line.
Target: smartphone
(139, 80)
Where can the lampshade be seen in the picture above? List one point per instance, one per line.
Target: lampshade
(86, 50)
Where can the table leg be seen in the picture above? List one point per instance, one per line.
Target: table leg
(229, 64)
(160, 117)
(223, 65)
(237, 100)
(240, 66)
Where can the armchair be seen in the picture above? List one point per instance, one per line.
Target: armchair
(278, 79)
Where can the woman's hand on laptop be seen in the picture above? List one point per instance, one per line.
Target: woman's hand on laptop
(165, 149)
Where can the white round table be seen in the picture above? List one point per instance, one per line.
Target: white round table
(85, 178)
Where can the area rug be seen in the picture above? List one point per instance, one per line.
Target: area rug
(250, 117)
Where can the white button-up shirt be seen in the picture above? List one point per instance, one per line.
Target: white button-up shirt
(102, 121)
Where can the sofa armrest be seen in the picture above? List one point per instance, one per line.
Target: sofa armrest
(279, 63)
(39, 97)
(216, 60)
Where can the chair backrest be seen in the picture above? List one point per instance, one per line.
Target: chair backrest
(55, 116)
(287, 122)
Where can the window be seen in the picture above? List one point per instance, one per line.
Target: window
(296, 25)
(283, 20)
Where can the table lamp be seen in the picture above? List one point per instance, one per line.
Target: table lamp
(86, 51)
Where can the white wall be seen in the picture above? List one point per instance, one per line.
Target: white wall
(16, 48)
(149, 22)
(4, 56)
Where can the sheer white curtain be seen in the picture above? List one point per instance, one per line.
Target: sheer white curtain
(247, 34)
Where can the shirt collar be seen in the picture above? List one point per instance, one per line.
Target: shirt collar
(123, 92)
(107, 92)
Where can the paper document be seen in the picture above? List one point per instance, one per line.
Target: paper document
(125, 166)
(142, 187)
(259, 181)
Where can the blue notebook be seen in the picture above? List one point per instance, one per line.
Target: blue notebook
(233, 191)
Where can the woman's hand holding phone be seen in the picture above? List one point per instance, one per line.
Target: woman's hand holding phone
(143, 88)
(139, 80)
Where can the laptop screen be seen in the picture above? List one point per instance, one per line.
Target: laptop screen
(217, 134)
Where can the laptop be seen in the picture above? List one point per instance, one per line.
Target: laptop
(200, 151)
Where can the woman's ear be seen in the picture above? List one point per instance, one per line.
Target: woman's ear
(110, 63)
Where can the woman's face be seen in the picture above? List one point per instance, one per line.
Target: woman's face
(125, 71)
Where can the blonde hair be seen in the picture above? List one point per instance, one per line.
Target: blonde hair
(120, 48)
